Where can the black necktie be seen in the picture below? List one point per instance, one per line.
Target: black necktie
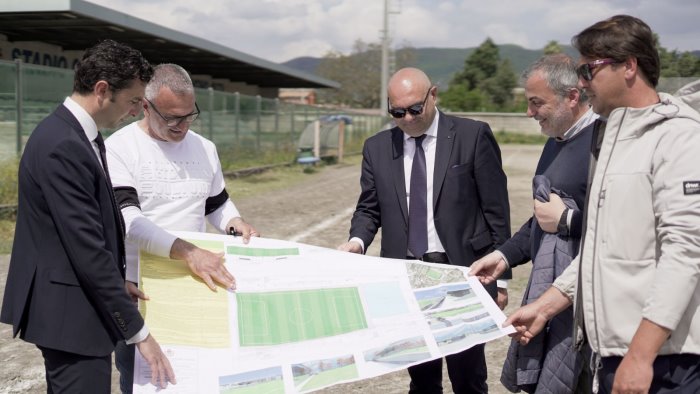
(122, 228)
(418, 207)
(103, 155)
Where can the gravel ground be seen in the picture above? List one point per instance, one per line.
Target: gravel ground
(316, 211)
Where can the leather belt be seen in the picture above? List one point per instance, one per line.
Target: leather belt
(432, 257)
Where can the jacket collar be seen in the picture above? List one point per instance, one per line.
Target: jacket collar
(638, 120)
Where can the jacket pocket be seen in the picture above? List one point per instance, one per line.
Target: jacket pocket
(620, 296)
(459, 169)
(481, 241)
(65, 277)
(626, 234)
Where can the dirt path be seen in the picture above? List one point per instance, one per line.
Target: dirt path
(316, 211)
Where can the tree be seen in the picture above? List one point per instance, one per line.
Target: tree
(552, 48)
(688, 65)
(359, 74)
(675, 64)
(481, 64)
(485, 83)
(500, 87)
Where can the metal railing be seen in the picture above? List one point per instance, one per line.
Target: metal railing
(247, 130)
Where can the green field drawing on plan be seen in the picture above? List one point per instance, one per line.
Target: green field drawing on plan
(210, 245)
(294, 316)
(262, 252)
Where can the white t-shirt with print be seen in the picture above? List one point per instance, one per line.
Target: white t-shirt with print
(173, 181)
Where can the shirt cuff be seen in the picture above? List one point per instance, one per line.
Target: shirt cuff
(223, 215)
(569, 217)
(505, 259)
(359, 241)
(139, 337)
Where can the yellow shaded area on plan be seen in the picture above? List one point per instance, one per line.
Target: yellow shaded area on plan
(182, 310)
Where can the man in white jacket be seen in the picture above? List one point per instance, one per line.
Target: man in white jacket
(636, 281)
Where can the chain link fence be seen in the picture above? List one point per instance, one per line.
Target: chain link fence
(247, 130)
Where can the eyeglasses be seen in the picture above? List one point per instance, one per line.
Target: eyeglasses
(173, 121)
(415, 109)
(585, 70)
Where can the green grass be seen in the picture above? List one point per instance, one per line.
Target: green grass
(7, 235)
(507, 137)
(277, 178)
(8, 195)
(8, 174)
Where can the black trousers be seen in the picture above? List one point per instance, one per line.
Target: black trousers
(676, 373)
(124, 359)
(75, 373)
(467, 371)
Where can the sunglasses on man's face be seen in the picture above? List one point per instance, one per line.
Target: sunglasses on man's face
(585, 70)
(415, 109)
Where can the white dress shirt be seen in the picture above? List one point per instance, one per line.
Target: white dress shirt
(409, 149)
(90, 128)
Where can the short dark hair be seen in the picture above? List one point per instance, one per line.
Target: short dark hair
(117, 64)
(621, 37)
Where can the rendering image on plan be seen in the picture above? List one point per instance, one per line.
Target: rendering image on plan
(423, 275)
(316, 374)
(267, 381)
(447, 296)
(466, 335)
(293, 316)
(453, 317)
(406, 351)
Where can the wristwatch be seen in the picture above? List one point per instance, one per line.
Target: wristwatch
(562, 228)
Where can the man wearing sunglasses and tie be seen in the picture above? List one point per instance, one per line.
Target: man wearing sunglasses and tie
(167, 177)
(435, 186)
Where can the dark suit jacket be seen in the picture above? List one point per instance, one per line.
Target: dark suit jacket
(65, 285)
(470, 198)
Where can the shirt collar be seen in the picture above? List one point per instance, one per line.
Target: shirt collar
(432, 129)
(580, 124)
(86, 121)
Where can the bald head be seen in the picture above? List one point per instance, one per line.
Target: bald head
(408, 79)
(410, 87)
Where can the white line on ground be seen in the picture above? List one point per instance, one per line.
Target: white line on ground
(331, 221)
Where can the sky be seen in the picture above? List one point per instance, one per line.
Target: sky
(280, 30)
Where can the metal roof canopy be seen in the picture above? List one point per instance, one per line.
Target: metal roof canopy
(78, 25)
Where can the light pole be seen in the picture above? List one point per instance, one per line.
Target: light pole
(385, 61)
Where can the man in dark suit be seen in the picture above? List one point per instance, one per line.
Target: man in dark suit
(65, 286)
(435, 186)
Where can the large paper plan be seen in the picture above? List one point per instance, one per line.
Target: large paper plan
(303, 317)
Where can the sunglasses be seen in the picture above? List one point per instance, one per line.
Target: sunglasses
(173, 121)
(415, 109)
(585, 70)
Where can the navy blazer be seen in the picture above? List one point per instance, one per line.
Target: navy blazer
(65, 286)
(470, 196)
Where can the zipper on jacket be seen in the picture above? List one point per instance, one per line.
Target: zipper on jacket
(601, 199)
(595, 365)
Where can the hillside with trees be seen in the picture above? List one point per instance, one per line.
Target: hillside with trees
(470, 79)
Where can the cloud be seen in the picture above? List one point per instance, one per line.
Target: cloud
(279, 30)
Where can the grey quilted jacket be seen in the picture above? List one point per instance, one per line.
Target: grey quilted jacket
(549, 363)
